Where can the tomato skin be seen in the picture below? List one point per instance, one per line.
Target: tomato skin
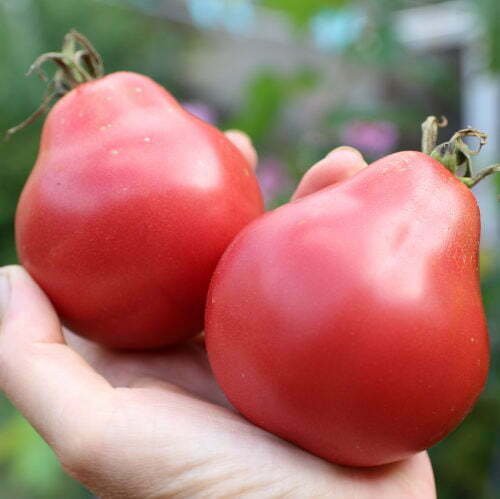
(130, 205)
(350, 321)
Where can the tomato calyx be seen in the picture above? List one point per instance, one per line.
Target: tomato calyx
(455, 155)
(77, 63)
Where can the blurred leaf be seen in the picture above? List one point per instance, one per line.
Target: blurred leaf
(30, 463)
(489, 13)
(265, 96)
(300, 12)
(461, 460)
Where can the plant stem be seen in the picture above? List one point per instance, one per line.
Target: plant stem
(472, 181)
(430, 128)
(77, 63)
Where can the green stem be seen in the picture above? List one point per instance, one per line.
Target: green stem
(77, 63)
(430, 132)
(42, 109)
(472, 181)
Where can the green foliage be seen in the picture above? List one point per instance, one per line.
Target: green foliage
(265, 97)
(489, 12)
(300, 11)
(28, 467)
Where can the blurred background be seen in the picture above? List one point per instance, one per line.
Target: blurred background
(300, 77)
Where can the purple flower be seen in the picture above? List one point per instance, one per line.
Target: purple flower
(201, 110)
(375, 138)
(273, 178)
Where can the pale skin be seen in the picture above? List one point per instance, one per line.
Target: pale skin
(156, 425)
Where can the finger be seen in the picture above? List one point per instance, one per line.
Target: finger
(244, 144)
(339, 164)
(49, 383)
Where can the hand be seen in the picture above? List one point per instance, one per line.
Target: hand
(140, 425)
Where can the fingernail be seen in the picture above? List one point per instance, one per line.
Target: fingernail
(347, 148)
(4, 292)
(240, 134)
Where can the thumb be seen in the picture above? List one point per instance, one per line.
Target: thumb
(49, 383)
(25, 312)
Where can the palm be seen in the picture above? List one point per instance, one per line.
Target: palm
(185, 366)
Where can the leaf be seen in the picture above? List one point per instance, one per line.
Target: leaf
(300, 12)
(264, 98)
(489, 13)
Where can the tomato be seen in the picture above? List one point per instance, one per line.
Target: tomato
(129, 207)
(350, 321)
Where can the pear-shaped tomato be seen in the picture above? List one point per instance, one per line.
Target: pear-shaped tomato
(129, 207)
(350, 321)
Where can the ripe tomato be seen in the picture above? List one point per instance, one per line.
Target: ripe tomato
(350, 321)
(130, 205)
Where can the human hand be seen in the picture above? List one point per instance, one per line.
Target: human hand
(155, 424)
